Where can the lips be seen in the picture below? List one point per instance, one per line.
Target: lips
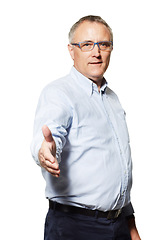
(95, 63)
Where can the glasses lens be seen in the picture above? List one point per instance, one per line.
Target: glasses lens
(105, 46)
(86, 46)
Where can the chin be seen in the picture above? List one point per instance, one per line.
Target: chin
(96, 76)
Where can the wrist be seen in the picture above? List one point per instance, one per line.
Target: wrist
(132, 227)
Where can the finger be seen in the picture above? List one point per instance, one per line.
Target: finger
(48, 156)
(47, 134)
(55, 173)
(53, 166)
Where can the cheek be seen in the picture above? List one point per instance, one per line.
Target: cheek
(80, 59)
(106, 59)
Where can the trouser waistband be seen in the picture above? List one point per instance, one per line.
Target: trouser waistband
(113, 214)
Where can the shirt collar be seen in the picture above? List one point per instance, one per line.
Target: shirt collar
(86, 83)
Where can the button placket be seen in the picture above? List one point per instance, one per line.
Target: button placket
(112, 120)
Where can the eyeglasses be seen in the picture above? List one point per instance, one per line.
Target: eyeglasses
(87, 46)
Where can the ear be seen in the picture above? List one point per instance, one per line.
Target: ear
(71, 50)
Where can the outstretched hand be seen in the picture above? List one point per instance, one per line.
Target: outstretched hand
(47, 153)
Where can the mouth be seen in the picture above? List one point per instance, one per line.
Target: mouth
(95, 63)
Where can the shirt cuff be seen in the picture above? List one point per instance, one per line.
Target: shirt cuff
(58, 148)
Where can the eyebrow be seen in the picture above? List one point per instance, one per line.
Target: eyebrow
(87, 41)
(93, 41)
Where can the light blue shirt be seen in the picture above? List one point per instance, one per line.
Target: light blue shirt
(92, 143)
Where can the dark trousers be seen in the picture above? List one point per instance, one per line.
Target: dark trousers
(66, 226)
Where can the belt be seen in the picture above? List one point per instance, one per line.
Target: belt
(113, 214)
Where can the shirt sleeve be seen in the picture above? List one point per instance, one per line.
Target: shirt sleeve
(53, 110)
(128, 210)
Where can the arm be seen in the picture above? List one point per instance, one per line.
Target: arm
(129, 213)
(133, 229)
(53, 111)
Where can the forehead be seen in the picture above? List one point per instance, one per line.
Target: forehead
(92, 31)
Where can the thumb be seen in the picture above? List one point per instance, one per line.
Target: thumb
(47, 134)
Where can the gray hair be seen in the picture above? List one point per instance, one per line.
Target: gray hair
(90, 18)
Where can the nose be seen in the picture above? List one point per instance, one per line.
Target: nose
(96, 50)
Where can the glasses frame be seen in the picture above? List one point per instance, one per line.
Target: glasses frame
(94, 43)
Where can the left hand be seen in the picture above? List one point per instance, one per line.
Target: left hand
(133, 229)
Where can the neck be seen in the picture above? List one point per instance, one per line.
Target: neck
(99, 83)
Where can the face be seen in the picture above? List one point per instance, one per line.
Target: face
(94, 63)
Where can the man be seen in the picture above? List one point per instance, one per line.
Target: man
(81, 143)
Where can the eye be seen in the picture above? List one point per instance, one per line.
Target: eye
(105, 44)
(86, 44)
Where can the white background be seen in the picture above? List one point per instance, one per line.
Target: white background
(33, 52)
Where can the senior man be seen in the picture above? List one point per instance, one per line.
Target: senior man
(81, 142)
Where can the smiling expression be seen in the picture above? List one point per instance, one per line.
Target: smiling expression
(94, 63)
